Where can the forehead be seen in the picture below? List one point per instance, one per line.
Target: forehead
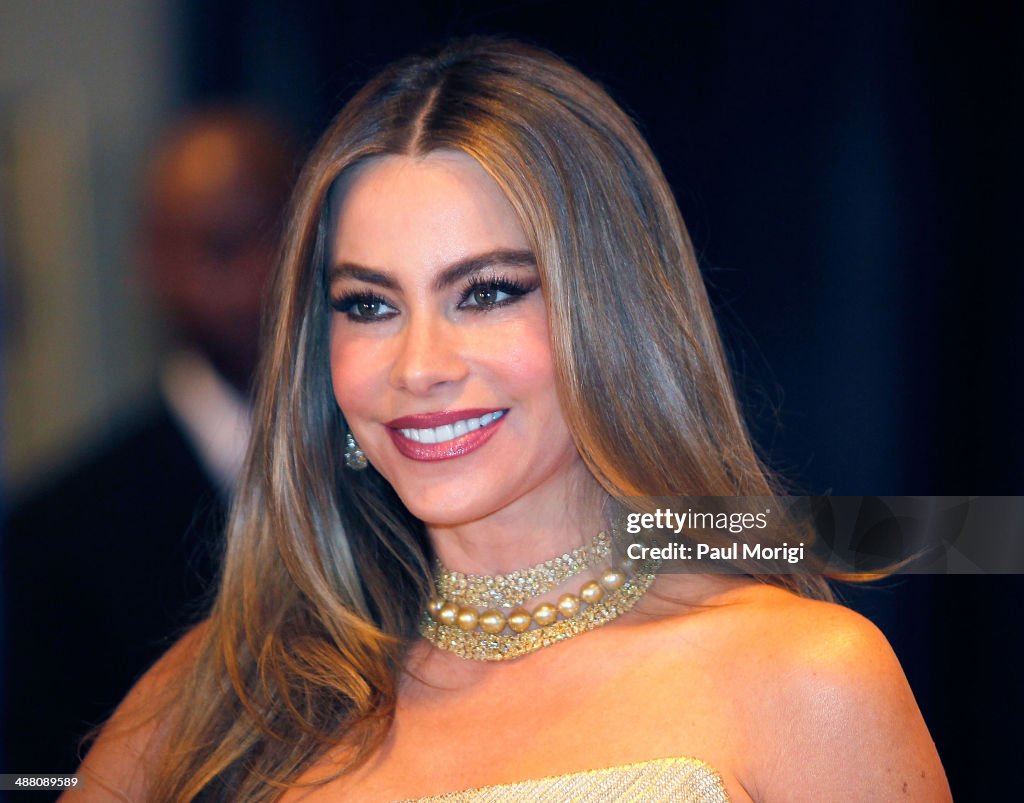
(405, 211)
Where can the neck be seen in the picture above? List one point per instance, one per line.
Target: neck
(529, 531)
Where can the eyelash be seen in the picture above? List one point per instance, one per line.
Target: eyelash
(347, 303)
(513, 288)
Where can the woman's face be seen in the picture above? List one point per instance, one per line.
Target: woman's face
(440, 356)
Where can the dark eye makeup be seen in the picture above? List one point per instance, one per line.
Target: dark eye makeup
(477, 294)
(484, 293)
(363, 307)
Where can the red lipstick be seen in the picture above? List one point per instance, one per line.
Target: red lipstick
(426, 420)
(454, 447)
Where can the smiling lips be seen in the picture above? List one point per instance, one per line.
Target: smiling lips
(441, 436)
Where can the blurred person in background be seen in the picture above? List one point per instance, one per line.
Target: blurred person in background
(105, 562)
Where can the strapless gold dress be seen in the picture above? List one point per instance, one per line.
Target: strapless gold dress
(662, 780)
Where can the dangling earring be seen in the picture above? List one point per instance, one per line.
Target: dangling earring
(355, 458)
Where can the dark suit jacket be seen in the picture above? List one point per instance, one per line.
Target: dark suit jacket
(102, 569)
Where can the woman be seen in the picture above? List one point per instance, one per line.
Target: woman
(489, 323)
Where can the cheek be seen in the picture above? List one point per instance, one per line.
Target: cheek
(351, 374)
(527, 368)
(529, 365)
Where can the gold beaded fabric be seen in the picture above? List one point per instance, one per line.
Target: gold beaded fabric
(662, 780)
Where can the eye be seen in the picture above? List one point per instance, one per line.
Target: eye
(484, 295)
(364, 307)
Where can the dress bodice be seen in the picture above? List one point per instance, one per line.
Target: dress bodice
(661, 780)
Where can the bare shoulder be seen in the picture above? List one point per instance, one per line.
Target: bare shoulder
(117, 765)
(829, 713)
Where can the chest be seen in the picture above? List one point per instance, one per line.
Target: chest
(568, 712)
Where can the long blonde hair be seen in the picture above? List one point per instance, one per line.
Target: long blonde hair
(326, 572)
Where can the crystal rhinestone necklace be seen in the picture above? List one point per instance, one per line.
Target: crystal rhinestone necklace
(515, 588)
(453, 620)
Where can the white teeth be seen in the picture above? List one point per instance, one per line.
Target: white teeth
(447, 432)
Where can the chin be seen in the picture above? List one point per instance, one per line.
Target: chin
(446, 515)
(447, 510)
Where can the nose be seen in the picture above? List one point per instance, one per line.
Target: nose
(429, 354)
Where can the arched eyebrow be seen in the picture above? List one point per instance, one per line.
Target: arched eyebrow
(467, 267)
(350, 270)
(449, 276)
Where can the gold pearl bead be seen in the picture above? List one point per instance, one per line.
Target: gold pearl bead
(467, 619)
(434, 606)
(568, 605)
(591, 592)
(613, 579)
(449, 613)
(545, 614)
(519, 620)
(492, 622)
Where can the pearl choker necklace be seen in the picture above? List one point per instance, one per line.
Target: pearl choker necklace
(453, 622)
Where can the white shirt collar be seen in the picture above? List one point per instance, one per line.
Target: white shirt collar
(215, 418)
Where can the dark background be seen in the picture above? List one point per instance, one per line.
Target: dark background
(850, 176)
(849, 173)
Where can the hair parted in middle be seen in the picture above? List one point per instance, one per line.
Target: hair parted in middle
(326, 572)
